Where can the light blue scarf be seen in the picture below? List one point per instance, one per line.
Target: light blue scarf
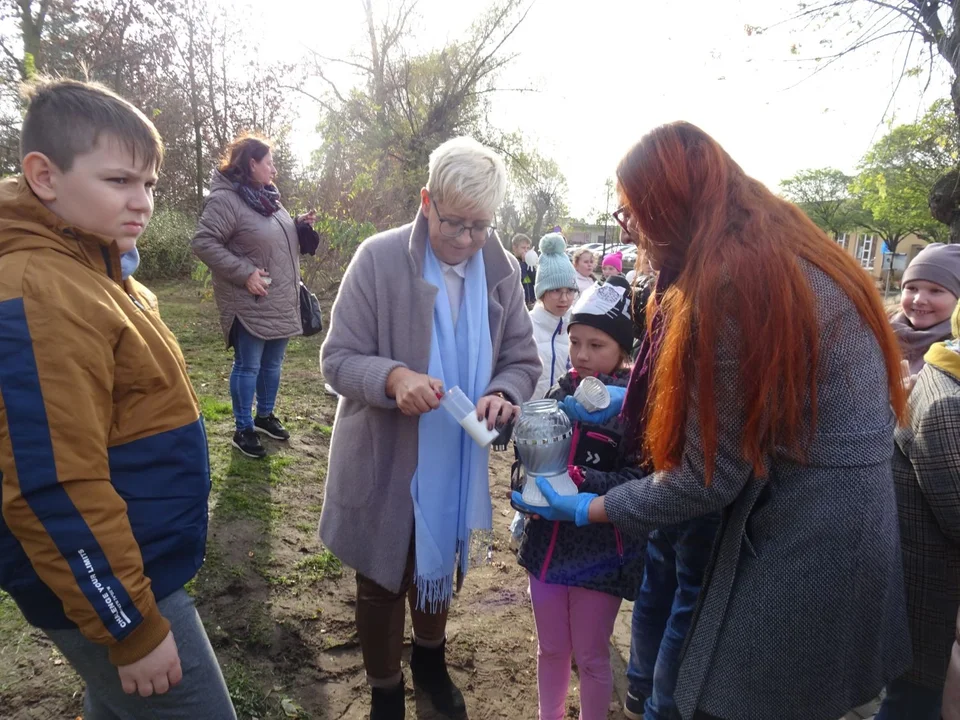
(129, 262)
(450, 488)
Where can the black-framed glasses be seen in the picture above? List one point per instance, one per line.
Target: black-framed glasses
(452, 229)
(622, 216)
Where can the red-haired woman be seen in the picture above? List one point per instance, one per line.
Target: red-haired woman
(771, 372)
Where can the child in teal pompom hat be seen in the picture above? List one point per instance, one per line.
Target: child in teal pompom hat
(555, 270)
(556, 291)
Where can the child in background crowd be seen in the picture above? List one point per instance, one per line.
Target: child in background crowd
(521, 245)
(612, 265)
(929, 292)
(584, 262)
(578, 576)
(556, 291)
(926, 472)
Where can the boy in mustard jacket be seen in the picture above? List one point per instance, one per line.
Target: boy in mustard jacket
(103, 455)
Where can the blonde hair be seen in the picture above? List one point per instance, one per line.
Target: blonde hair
(468, 176)
(580, 253)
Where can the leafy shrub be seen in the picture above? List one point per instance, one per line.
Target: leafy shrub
(339, 240)
(165, 246)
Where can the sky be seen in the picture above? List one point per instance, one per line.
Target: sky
(606, 71)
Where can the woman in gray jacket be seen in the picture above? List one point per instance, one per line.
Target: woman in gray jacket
(771, 371)
(250, 243)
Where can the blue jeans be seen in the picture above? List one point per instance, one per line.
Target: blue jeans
(676, 560)
(201, 694)
(909, 701)
(256, 370)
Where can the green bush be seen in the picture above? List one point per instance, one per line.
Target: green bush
(339, 240)
(165, 246)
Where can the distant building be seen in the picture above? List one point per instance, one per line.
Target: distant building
(578, 233)
(871, 253)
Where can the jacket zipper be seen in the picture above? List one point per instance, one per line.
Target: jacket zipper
(603, 438)
(553, 353)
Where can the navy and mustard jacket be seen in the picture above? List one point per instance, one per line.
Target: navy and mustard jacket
(103, 455)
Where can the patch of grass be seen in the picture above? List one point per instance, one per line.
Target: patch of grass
(305, 527)
(259, 627)
(245, 489)
(12, 623)
(214, 409)
(248, 698)
(319, 567)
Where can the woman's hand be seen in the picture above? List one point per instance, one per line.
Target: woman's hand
(257, 282)
(309, 218)
(496, 410)
(415, 393)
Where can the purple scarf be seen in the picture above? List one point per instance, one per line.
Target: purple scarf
(265, 200)
(634, 412)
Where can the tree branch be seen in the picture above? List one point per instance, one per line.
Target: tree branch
(14, 58)
(322, 103)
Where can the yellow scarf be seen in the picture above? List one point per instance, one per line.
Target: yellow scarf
(946, 355)
(944, 358)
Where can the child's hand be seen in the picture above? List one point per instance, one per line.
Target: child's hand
(156, 672)
(575, 411)
(908, 379)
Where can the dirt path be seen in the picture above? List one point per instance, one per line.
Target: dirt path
(277, 607)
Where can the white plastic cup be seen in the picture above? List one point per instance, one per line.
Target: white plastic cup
(464, 412)
(592, 394)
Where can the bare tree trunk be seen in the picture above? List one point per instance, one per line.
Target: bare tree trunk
(195, 112)
(31, 29)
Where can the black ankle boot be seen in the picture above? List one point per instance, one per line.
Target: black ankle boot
(429, 668)
(387, 703)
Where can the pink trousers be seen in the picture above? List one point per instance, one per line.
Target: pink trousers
(573, 622)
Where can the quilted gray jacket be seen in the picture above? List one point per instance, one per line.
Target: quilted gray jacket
(926, 470)
(802, 613)
(233, 240)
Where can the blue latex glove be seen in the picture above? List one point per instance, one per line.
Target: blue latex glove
(568, 508)
(575, 411)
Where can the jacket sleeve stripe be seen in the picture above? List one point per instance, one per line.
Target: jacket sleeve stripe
(37, 476)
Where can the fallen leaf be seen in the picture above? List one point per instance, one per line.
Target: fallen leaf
(290, 708)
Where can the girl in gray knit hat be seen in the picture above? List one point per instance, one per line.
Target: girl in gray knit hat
(929, 292)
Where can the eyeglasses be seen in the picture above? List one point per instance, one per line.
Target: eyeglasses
(563, 293)
(622, 216)
(452, 229)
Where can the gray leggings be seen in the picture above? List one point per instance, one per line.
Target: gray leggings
(201, 694)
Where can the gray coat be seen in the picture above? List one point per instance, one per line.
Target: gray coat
(383, 319)
(926, 470)
(802, 611)
(233, 240)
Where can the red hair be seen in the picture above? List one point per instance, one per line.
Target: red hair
(736, 247)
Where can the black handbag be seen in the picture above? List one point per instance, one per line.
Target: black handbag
(310, 316)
